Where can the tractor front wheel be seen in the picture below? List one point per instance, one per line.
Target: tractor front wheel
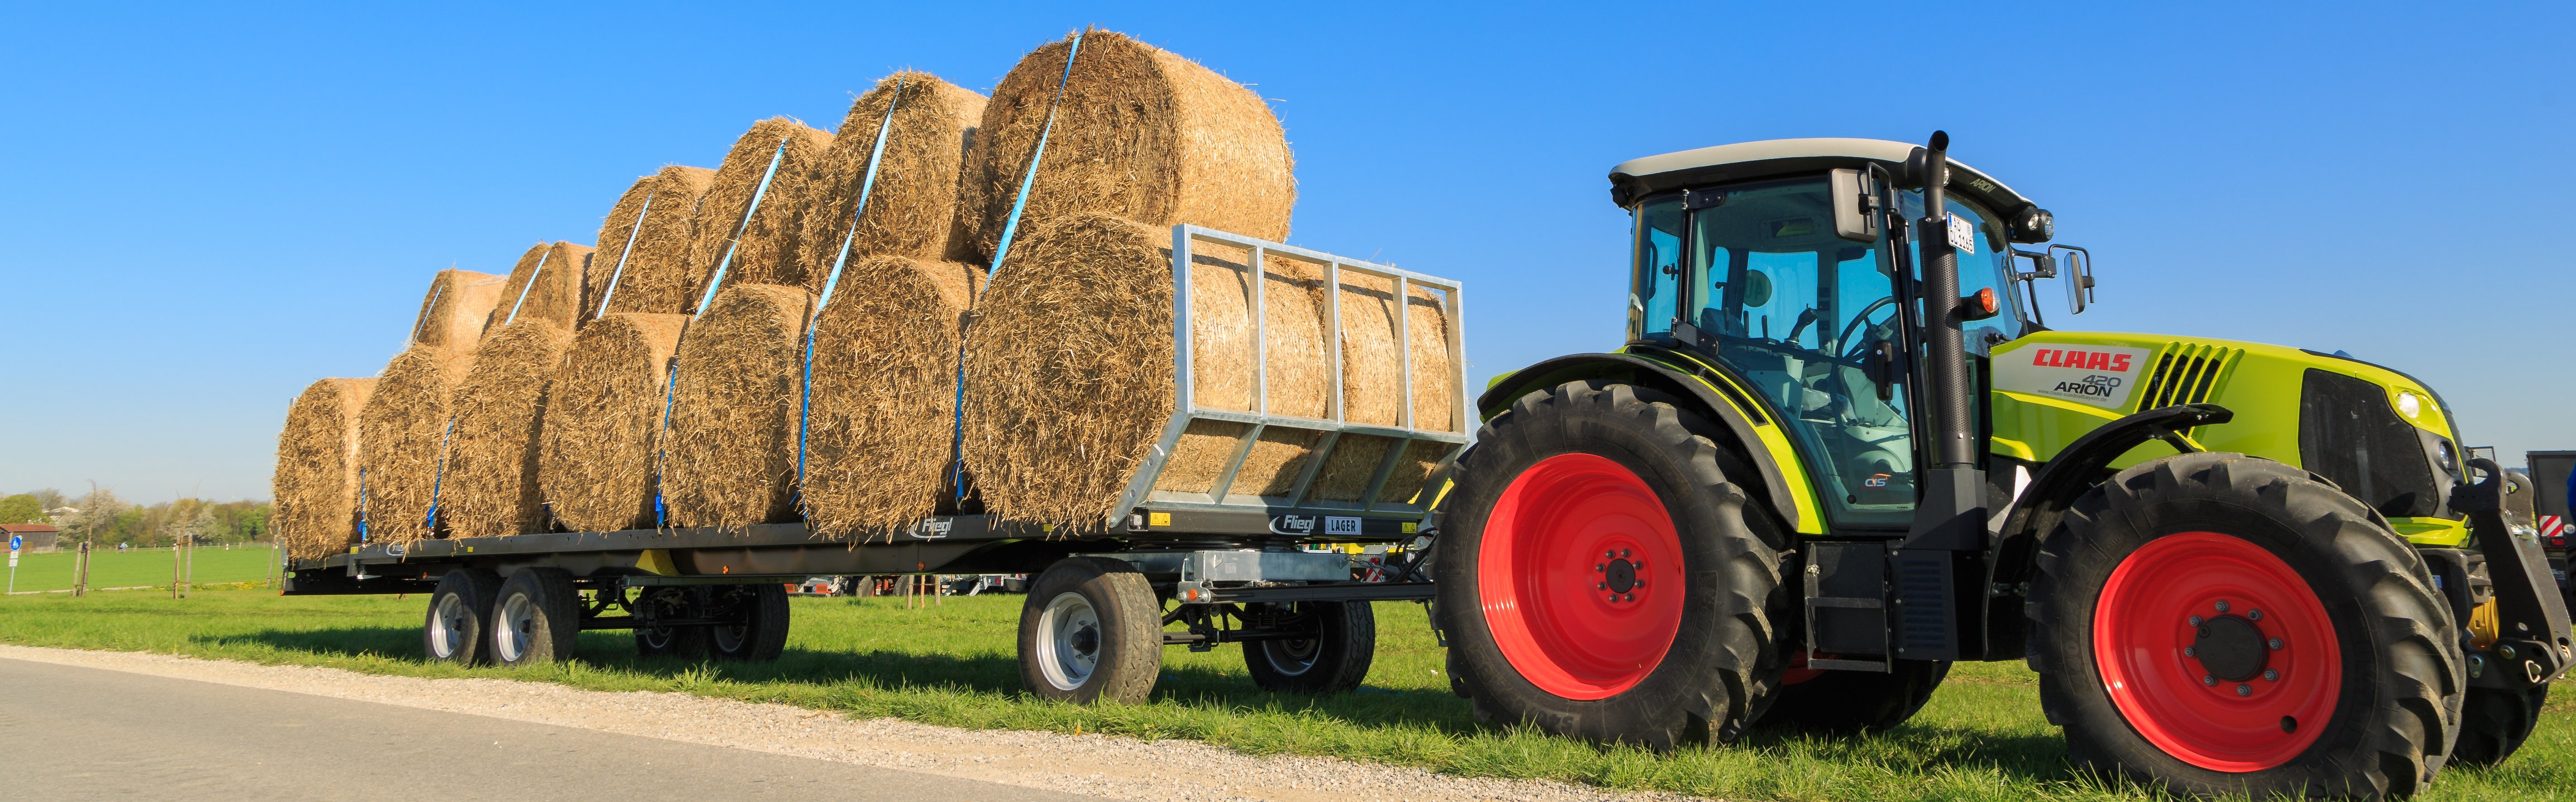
(2222, 624)
(1603, 574)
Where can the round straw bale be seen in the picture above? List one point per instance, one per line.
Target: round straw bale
(732, 456)
(491, 485)
(454, 310)
(654, 215)
(912, 208)
(1069, 378)
(546, 285)
(403, 439)
(1141, 133)
(316, 485)
(765, 250)
(603, 409)
(885, 384)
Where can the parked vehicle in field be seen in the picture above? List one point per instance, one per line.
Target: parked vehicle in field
(1840, 451)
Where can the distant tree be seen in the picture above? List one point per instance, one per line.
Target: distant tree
(50, 498)
(99, 518)
(21, 509)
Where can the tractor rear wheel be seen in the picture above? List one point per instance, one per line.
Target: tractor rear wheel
(2223, 624)
(1602, 574)
(2494, 723)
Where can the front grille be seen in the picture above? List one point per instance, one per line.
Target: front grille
(2185, 374)
(2349, 433)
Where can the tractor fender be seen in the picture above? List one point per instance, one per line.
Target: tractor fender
(1739, 415)
(2083, 464)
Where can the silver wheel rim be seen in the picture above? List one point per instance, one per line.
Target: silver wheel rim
(518, 622)
(447, 626)
(1291, 657)
(1068, 641)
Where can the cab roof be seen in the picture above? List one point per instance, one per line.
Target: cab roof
(1637, 178)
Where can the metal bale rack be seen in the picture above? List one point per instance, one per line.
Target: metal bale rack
(1211, 558)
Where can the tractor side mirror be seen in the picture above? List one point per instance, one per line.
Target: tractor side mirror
(2078, 264)
(1855, 207)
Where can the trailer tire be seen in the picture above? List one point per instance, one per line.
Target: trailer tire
(459, 610)
(762, 634)
(535, 618)
(1333, 661)
(2494, 723)
(1599, 480)
(2221, 624)
(687, 644)
(1852, 702)
(1091, 631)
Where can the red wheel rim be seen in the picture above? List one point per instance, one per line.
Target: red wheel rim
(1581, 576)
(2217, 652)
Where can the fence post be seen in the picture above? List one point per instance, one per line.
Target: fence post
(80, 571)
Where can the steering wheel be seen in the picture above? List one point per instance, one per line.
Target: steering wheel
(1863, 317)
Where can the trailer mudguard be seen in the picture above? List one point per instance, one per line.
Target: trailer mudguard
(1784, 481)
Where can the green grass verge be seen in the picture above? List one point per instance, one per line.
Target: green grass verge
(109, 568)
(1981, 738)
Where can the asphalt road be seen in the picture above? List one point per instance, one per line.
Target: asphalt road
(71, 733)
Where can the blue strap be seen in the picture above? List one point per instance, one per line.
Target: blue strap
(805, 405)
(436, 291)
(662, 454)
(631, 233)
(362, 505)
(1002, 250)
(742, 225)
(533, 275)
(438, 475)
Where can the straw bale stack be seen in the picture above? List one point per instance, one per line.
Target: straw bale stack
(1141, 134)
(454, 310)
(402, 440)
(912, 209)
(885, 383)
(653, 275)
(316, 484)
(731, 460)
(603, 410)
(491, 484)
(545, 285)
(1069, 384)
(766, 251)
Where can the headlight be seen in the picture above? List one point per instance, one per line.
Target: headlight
(2409, 404)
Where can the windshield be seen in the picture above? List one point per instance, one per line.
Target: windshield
(1988, 265)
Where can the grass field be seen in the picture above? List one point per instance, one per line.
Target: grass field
(109, 568)
(1981, 738)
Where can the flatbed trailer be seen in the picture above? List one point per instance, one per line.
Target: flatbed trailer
(1221, 564)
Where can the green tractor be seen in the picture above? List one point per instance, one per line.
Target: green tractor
(1840, 451)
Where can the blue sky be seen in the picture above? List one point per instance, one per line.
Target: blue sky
(206, 208)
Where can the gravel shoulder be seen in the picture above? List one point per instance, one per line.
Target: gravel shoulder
(1095, 765)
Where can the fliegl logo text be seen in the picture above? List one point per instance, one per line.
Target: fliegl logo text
(2081, 360)
(2096, 385)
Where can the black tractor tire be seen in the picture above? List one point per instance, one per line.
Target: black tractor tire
(1587, 448)
(2495, 722)
(535, 618)
(2176, 538)
(760, 634)
(459, 610)
(1091, 630)
(1336, 659)
(682, 643)
(1853, 702)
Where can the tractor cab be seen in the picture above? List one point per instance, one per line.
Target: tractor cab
(1759, 257)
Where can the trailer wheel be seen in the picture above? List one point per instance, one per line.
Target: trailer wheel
(1603, 574)
(536, 618)
(1851, 702)
(2494, 723)
(760, 632)
(2222, 624)
(686, 643)
(1333, 661)
(458, 611)
(1091, 631)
